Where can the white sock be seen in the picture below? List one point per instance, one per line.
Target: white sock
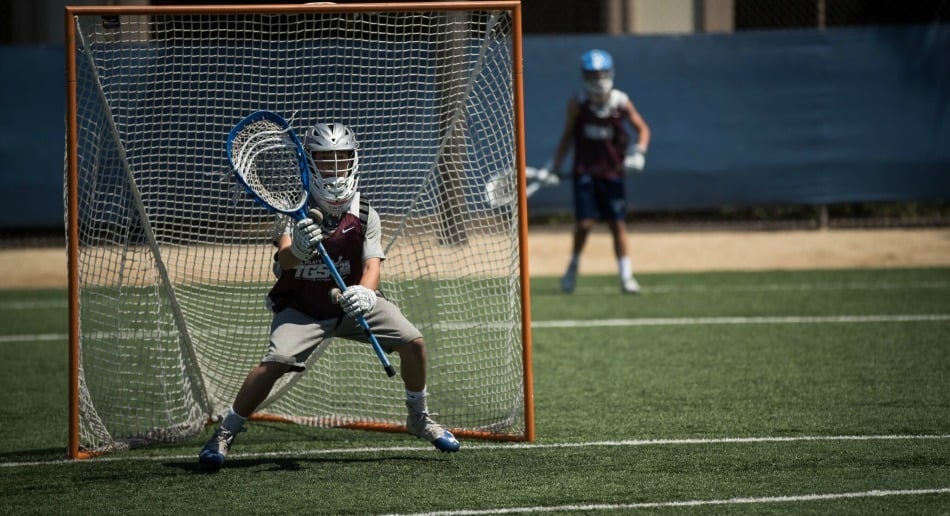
(233, 422)
(626, 269)
(416, 400)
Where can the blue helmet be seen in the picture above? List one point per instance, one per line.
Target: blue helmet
(597, 68)
(597, 61)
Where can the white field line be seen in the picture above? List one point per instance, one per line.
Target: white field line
(652, 289)
(582, 508)
(694, 321)
(877, 493)
(474, 447)
(6, 339)
(33, 305)
(602, 323)
(647, 288)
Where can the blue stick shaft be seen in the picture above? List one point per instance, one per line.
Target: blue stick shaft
(390, 371)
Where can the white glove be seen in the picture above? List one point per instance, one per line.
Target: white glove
(547, 177)
(357, 300)
(306, 235)
(634, 161)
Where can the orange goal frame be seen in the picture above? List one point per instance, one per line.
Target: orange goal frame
(72, 181)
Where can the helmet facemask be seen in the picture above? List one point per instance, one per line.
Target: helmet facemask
(334, 166)
(597, 67)
(598, 83)
(333, 179)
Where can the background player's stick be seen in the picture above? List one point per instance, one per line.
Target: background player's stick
(268, 158)
(501, 188)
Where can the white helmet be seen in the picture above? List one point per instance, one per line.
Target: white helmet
(331, 152)
(597, 68)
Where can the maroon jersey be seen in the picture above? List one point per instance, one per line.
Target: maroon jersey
(307, 287)
(600, 137)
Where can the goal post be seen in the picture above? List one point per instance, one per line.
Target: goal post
(169, 262)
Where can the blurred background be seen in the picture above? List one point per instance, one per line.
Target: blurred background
(802, 113)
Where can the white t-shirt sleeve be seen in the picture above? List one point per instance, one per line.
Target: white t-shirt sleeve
(373, 238)
(618, 99)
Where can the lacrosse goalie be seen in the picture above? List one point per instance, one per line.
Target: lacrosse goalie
(306, 309)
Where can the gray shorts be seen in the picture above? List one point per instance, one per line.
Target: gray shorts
(294, 335)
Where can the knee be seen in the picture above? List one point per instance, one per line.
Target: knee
(270, 370)
(414, 349)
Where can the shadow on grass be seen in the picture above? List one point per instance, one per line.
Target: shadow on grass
(35, 455)
(284, 463)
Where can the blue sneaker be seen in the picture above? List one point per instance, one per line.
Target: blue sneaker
(568, 280)
(421, 425)
(217, 448)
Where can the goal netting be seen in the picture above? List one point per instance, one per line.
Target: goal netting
(170, 261)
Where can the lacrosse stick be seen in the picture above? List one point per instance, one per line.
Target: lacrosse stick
(269, 160)
(501, 189)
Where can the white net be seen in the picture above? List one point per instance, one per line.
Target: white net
(265, 156)
(175, 260)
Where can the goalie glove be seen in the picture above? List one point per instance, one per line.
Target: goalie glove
(357, 300)
(634, 161)
(306, 235)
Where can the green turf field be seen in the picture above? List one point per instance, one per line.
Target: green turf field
(824, 392)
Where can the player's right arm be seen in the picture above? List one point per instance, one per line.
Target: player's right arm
(286, 258)
(567, 135)
(299, 245)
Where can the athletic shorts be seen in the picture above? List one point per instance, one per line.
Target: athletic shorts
(599, 199)
(294, 335)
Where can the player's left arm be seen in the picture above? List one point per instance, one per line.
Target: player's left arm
(638, 123)
(361, 299)
(372, 251)
(371, 273)
(635, 159)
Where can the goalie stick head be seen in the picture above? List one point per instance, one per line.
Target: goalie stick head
(597, 69)
(334, 166)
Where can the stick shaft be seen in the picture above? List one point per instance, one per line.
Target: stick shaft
(383, 359)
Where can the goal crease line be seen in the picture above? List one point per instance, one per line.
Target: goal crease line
(504, 446)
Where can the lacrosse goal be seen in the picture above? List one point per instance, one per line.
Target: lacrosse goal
(169, 261)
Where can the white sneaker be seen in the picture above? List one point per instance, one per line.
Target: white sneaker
(568, 280)
(421, 425)
(629, 286)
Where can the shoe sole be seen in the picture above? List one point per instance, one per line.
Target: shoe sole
(444, 445)
(212, 460)
(441, 446)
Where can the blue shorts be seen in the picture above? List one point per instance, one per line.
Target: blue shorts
(600, 199)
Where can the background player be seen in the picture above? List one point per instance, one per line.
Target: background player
(595, 127)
